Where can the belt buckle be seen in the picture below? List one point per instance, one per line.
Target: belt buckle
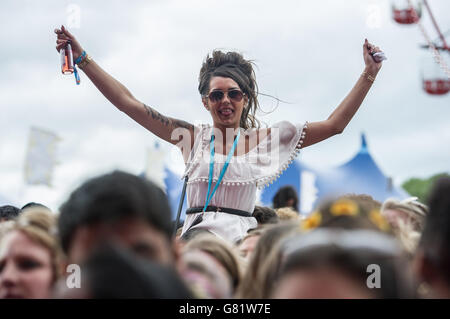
(218, 210)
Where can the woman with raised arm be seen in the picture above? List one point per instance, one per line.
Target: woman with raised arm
(228, 161)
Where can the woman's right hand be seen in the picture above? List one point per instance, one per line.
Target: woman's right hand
(62, 37)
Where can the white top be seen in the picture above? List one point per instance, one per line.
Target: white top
(246, 173)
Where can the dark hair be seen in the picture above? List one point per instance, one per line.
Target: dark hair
(113, 272)
(283, 195)
(33, 204)
(9, 212)
(232, 65)
(435, 240)
(265, 215)
(111, 197)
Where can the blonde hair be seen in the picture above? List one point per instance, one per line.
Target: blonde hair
(39, 224)
(5, 227)
(223, 252)
(415, 210)
(254, 284)
(409, 231)
(287, 213)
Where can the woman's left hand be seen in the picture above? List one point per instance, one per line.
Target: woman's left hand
(372, 66)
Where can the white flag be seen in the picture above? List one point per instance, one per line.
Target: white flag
(41, 155)
(308, 191)
(156, 158)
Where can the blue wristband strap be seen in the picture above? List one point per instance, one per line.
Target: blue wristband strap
(75, 71)
(222, 173)
(80, 58)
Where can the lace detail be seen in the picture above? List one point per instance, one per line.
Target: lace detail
(267, 180)
(226, 183)
(260, 173)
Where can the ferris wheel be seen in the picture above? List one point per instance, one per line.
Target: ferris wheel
(435, 75)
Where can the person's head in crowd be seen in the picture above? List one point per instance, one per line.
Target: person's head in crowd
(34, 205)
(286, 196)
(179, 228)
(8, 212)
(407, 211)
(30, 256)
(211, 267)
(192, 233)
(248, 244)
(432, 262)
(287, 213)
(119, 207)
(347, 212)
(367, 202)
(253, 281)
(406, 218)
(336, 263)
(5, 227)
(114, 272)
(265, 215)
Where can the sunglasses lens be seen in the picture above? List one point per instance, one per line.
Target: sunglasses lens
(235, 95)
(216, 96)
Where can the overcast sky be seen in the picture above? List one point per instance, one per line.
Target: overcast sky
(308, 53)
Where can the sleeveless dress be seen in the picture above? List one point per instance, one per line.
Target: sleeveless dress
(246, 173)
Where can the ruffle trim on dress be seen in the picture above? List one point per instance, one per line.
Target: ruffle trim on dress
(233, 183)
(266, 181)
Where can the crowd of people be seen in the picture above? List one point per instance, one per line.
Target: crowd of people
(114, 237)
(117, 229)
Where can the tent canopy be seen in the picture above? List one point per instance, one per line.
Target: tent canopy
(360, 175)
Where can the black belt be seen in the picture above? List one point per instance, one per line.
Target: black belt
(232, 211)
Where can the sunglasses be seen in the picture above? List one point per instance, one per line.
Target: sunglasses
(217, 96)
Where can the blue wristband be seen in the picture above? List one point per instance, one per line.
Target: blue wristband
(80, 58)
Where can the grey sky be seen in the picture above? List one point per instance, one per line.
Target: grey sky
(308, 53)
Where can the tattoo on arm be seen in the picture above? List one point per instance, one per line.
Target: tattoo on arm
(156, 115)
(172, 123)
(183, 124)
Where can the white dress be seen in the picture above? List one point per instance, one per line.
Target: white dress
(246, 173)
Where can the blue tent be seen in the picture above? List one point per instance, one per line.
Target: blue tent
(360, 175)
(174, 186)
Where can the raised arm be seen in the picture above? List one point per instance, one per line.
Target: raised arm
(341, 116)
(160, 125)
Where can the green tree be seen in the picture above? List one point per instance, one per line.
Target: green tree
(421, 187)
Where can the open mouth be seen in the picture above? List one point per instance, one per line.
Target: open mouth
(226, 111)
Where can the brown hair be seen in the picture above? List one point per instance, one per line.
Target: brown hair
(232, 65)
